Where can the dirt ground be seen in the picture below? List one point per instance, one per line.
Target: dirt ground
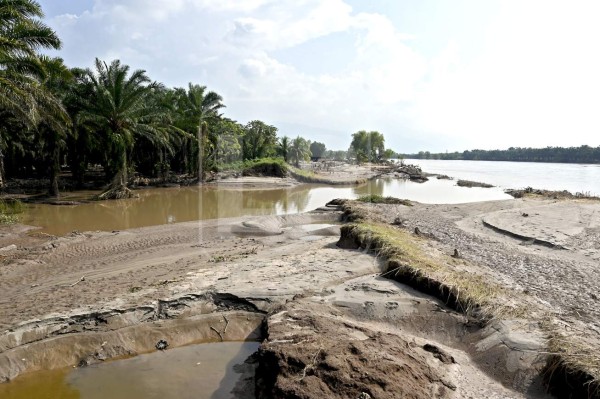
(546, 249)
(334, 327)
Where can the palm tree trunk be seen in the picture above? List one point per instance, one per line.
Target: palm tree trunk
(54, 169)
(118, 188)
(2, 179)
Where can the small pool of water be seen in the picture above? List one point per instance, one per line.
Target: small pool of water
(170, 205)
(203, 371)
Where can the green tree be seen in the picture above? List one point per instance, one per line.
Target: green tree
(389, 154)
(259, 140)
(283, 148)
(199, 108)
(22, 35)
(227, 136)
(367, 146)
(299, 150)
(82, 145)
(55, 123)
(317, 149)
(120, 110)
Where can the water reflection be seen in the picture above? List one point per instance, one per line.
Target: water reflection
(198, 371)
(201, 371)
(48, 384)
(551, 176)
(171, 205)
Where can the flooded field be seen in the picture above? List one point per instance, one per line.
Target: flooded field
(203, 371)
(170, 205)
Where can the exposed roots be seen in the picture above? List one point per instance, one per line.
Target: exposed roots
(116, 192)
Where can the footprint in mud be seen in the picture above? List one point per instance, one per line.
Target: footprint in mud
(368, 304)
(391, 305)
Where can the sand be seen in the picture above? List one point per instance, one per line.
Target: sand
(331, 319)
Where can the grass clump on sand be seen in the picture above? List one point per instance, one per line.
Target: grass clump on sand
(378, 199)
(573, 363)
(407, 262)
(574, 358)
(469, 183)
(10, 210)
(529, 192)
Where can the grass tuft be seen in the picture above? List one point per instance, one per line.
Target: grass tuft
(469, 183)
(10, 211)
(378, 199)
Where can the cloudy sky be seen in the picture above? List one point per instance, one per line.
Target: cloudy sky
(429, 75)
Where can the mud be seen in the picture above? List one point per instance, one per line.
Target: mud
(333, 326)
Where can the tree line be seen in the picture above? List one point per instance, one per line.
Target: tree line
(53, 116)
(582, 154)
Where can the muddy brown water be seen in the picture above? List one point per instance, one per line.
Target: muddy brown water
(170, 205)
(202, 371)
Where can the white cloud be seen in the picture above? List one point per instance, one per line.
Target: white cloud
(532, 84)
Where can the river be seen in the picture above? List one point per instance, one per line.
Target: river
(170, 205)
(158, 206)
(582, 178)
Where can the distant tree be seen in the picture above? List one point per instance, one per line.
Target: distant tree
(367, 146)
(582, 154)
(317, 149)
(389, 154)
(227, 146)
(299, 151)
(259, 140)
(339, 155)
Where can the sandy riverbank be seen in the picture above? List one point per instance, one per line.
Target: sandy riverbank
(331, 320)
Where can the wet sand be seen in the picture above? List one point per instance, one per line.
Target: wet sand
(320, 302)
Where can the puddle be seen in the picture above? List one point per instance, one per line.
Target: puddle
(203, 371)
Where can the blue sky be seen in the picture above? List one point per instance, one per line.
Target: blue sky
(429, 75)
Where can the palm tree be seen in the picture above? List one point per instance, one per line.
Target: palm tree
(55, 123)
(199, 108)
(121, 109)
(283, 147)
(299, 150)
(21, 36)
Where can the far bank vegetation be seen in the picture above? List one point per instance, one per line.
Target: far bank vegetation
(107, 125)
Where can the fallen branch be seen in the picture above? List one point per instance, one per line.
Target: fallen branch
(218, 332)
(226, 324)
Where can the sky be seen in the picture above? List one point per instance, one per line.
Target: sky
(430, 75)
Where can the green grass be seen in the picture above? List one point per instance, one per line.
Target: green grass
(10, 211)
(378, 199)
(250, 164)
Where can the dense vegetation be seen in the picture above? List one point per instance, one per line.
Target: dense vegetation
(111, 123)
(583, 154)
